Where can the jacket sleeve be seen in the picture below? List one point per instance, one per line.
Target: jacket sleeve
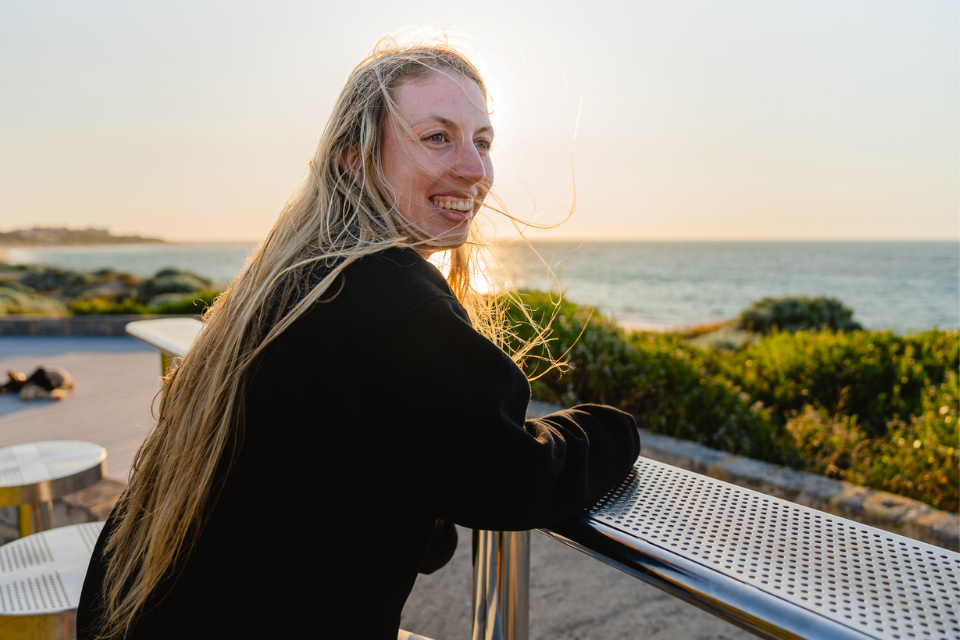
(450, 431)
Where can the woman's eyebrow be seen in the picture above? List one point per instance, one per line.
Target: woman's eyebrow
(451, 124)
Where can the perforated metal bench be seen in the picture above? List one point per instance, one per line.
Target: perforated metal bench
(775, 568)
(41, 577)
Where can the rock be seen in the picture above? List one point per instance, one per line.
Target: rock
(171, 281)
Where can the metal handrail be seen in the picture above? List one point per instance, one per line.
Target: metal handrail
(501, 585)
(772, 567)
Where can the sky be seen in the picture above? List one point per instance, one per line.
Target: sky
(668, 119)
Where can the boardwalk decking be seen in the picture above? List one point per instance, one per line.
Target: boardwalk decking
(116, 379)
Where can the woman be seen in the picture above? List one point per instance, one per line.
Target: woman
(340, 408)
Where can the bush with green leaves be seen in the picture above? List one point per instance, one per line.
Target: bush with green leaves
(873, 408)
(877, 376)
(188, 305)
(916, 457)
(56, 280)
(170, 281)
(107, 307)
(797, 313)
(655, 377)
(16, 298)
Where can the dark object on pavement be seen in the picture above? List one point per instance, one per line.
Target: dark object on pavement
(45, 383)
(15, 383)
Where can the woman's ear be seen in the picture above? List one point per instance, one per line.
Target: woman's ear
(350, 162)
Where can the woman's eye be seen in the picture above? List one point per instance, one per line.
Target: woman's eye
(436, 137)
(483, 145)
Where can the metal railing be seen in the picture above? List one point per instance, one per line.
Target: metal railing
(772, 567)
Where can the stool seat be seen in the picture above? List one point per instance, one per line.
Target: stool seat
(39, 472)
(41, 577)
(43, 471)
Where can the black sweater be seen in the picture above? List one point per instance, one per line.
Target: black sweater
(373, 416)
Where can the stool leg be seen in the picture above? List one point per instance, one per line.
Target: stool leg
(165, 363)
(44, 516)
(25, 519)
(34, 518)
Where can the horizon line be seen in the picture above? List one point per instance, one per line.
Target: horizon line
(512, 239)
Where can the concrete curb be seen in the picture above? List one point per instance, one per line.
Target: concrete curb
(893, 513)
(38, 325)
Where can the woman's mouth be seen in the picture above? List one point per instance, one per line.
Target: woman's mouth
(450, 203)
(454, 209)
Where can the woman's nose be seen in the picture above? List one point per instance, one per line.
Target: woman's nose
(470, 165)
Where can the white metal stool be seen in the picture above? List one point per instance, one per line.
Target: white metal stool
(33, 475)
(41, 577)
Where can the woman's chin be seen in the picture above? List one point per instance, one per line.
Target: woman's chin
(453, 239)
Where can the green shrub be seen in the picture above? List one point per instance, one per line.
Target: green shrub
(873, 408)
(655, 377)
(797, 313)
(876, 376)
(916, 458)
(170, 281)
(191, 305)
(56, 280)
(107, 307)
(16, 299)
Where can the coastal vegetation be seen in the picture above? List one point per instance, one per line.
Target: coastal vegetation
(871, 407)
(48, 290)
(60, 236)
(791, 381)
(797, 312)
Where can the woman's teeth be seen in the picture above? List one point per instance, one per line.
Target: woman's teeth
(454, 204)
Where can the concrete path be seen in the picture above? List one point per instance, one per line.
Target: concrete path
(116, 379)
(572, 596)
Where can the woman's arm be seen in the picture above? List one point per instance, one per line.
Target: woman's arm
(451, 435)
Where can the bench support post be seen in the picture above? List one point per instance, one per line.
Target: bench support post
(501, 585)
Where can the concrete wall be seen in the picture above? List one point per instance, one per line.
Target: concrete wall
(14, 325)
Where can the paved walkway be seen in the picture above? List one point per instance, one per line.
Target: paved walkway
(572, 597)
(116, 379)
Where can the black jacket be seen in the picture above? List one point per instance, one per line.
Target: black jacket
(373, 416)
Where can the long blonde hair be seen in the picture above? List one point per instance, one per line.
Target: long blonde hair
(332, 220)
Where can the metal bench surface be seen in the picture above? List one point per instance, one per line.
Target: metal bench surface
(172, 336)
(43, 471)
(776, 568)
(41, 577)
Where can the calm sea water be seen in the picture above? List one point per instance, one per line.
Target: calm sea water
(899, 285)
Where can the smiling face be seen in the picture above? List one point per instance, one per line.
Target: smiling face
(436, 155)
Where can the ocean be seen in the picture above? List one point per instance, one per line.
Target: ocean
(904, 286)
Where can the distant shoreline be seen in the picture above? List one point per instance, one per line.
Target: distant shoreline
(903, 286)
(6, 248)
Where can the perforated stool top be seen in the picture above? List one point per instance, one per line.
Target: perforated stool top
(713, 543)
(43, 471)
(40, 581)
